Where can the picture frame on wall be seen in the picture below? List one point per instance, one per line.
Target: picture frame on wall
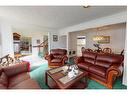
(38, 41)
(105, 40)
(55, 38)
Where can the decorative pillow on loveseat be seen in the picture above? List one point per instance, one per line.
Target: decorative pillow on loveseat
(6, 61)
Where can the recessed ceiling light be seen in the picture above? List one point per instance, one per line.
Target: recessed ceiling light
(86, 6)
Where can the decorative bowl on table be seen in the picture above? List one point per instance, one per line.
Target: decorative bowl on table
(72, 71)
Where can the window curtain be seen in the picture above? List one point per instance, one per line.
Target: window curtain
(125, 61)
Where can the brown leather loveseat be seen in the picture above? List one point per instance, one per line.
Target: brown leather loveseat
(17, 77)
(103, 68)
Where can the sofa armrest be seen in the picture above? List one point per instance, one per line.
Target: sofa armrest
(64, 59)
(49, 57)
(112, 73)
(78, 59)
(46, 56)
(16, 69)
(117, 69)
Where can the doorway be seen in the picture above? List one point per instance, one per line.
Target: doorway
(81, 42)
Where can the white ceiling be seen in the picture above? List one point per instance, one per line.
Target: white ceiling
(57, 17)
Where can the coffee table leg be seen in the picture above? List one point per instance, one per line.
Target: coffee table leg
(86, 80)
(46, 78)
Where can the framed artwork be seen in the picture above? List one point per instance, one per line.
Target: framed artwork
(55, 38)
(38, 41)
(105, 40)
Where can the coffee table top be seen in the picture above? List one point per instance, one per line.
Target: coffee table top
(62, 79)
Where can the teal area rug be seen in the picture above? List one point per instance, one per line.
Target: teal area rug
(39, 75)
(40, 54)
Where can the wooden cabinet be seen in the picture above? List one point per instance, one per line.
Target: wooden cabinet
(16, 36)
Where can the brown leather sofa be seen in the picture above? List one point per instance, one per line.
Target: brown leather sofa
(57, 57)
(103, 68)
(17, 77)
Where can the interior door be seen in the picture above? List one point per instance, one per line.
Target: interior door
(81, 42)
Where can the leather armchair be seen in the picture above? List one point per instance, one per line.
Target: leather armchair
(78, 59)
(57, 57)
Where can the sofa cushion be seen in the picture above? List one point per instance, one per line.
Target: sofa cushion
(89, 60)
(103, 64)
(97, 77)
(87, 54)
(56, 60)
(2, 86)
(4, 79)
(18, 78)
(110, 58)
(58, 51)
(89, 57)
(84, 65)
(101, 71)
(58, 56)
(27, 84)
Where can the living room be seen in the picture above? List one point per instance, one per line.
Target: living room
(63, 36)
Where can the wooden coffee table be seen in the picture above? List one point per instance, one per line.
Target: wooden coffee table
(55, 78)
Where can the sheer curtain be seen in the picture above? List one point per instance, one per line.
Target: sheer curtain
(125, 61)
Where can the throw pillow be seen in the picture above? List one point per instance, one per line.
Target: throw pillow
(6, 61)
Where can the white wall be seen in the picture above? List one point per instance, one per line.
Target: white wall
(0, 51)
(53, 44)
(73, 41)
(63, 42)
(0, 45)
(6, 39)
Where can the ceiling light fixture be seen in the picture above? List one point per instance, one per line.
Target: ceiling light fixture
(98, 38)
(86, 6)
